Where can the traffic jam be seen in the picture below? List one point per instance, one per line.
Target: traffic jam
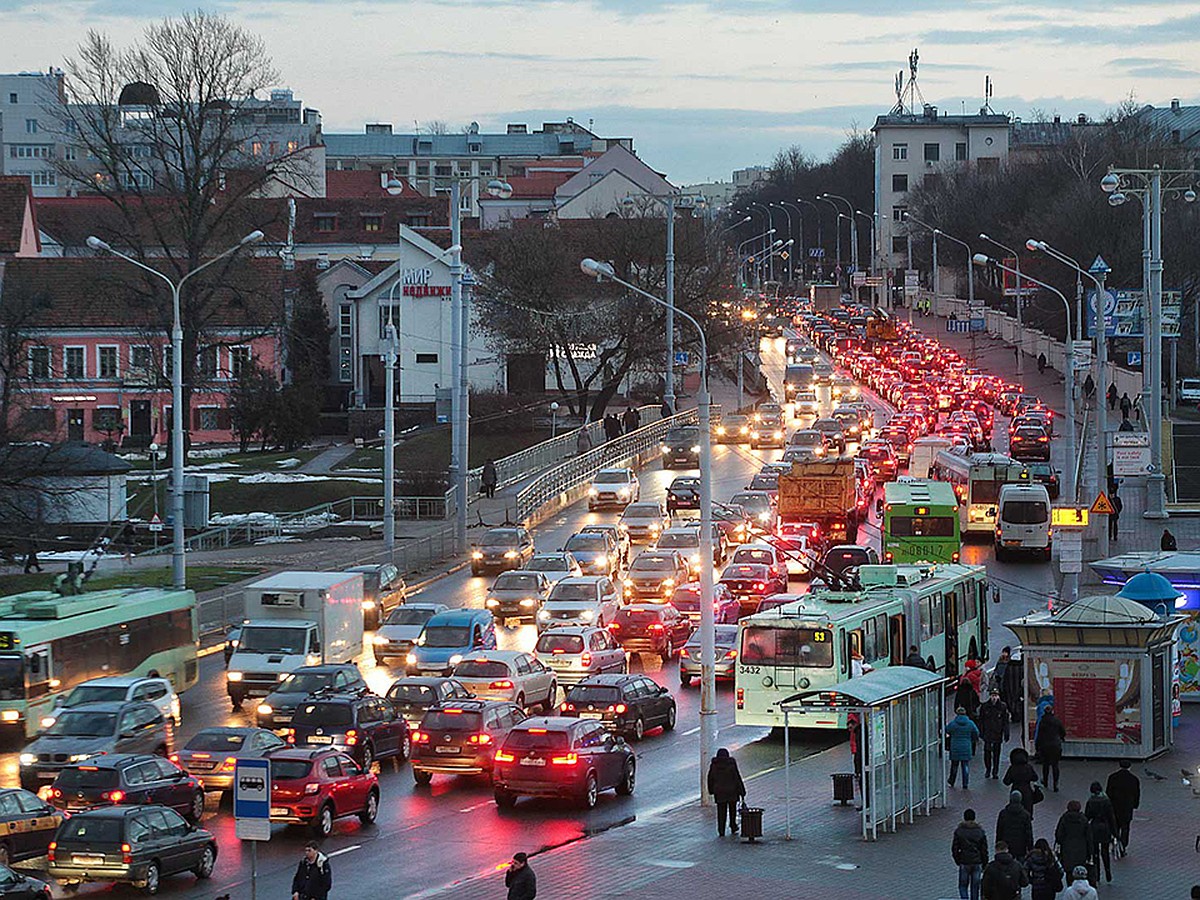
(879, 448)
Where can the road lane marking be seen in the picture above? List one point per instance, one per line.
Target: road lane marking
(343, 850)
(693, 731)
(476, 806)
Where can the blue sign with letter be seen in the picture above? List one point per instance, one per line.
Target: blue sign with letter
(682, 357)
(958, 326)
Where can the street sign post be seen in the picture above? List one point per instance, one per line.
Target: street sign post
(156, 524)
(1133, 358)
(682, 357)
(252, 809)
(1070, 551)
(1130, 453)
(1103, 506)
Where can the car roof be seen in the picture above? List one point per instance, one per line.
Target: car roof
(437, 607)
(549, 723)
(580, 579)
(642, 607)
(421, 679)
(304, 753)
(115, 760)
(568, 629)
(612, 678)
(455, 616)
(644, 505)
(322, 668)
(230, 729)
(112, 812)
(623, 471)
(113, 706)
(470, 703)
(720, 630)
(332, 697)
(493, 656)
(122, 680)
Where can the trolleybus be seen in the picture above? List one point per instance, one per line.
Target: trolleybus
(976, 480)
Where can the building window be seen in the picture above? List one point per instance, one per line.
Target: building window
(960, 151)
(168, 358)
(372, 222)
(73, 362)
(931, 180)
(900, 183)
(464, 201)
(383, 318)
(106, 362)
(43, 178)
(325, 222)
(346, 342)
(141, 359)
(423, 169)
(107, 420)
(933, 152)
(38, 419)
(988, 165)
(900, 243)
(899, 152)
(39, 363)
(240, 359)
(417, 220)
(899, 213)
(135, 179)
(31, 126)
(442, 171)
(12, 98)
(70, 154)
(206, 362)
(427, 358)
(31, 151)
(210, 418)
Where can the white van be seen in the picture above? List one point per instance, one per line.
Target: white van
(924, 454)
(1023, 520)
(1189, 390)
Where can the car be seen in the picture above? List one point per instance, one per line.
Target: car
(764, 553)
(686, 599)
(686, 540)
(1046, 474)
(135, 845)
(588, 600)
(734, 429)
(831, 430)
(364, 727)
(398, 634)
(806, 403)
(767, 409)
(749, 582)
(383, 590)
(555, 566)
(767, 431)
(518, 594)
(131, 779)
(1029, 442)
(765, 481)
(651, 628)
(576, 652)
(683, 493)
(27, 826)
(449, 636)
(276, 709)
(681, 447)
(801, 454)
(759, 505)
(620, 538)
(725, 646)
(313, 786)
(882, 458)
(810, 439)
(630, 705)
(596, 552)
(121, 689)
(843, 387)
(413, 695)
(795, 540)
(655, 573)
(643, 522)
(556, 756)
(735, 523)
(460, 738)
(719, 542)
(613, 488)
(500, 549)
(212, 753)
(91, 730)
(841, 557)
(512, 675)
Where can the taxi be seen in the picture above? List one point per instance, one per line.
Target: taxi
(27, 825)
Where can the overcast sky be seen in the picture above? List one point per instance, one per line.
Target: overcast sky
(702, 87)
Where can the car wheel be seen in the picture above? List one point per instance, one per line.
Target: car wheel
(639, 729)
(628, 780)
(421, 777)
(591, 790)
(196, 813)
(551, 698)
(371, 810)
(150, 884)
(206, 864)
(368, 756)
(669, 725)
(5, 855)
(322, 825)
(685, 680)
(504, 799)
(405, 744)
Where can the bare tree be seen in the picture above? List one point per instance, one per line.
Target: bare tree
(20, 309)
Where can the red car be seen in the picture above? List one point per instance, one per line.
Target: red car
(750, 582)
(686, 599)
(313, 787)
(882, 458)
(651, 628)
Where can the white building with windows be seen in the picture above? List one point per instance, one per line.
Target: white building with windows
(28, 143)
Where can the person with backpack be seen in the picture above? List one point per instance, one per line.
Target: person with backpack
(1043, 871)
(1014, 827)
(1049, 742)
(1125, 791)
(1021, 776)
(1003, 877)
(963, 735)
(1099, 812)
(1073, 838)
(969, 849)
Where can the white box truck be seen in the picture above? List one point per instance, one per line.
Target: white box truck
(295, 619)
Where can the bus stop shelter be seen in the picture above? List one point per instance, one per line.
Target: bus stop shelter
(902, 715)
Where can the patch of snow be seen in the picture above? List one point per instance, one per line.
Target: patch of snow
(212, 452)
(213, 465)
(278, 539)
(261, 519)
(78, 555)
(288, 463)
(297, 478)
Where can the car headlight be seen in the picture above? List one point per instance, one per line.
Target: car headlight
(455, 659)
(379, 639)
(666, 450)
(28, 759)
(411, 659)
(282, 675)
(778, 435)
(628, 582)
(476, 554)
(264, 709)
(492, 601)
(668, 582)
(47, 721)
(592, 492)
(754, 434)
(720, 429)
(421, 639)
(80, 757)
(764, 517)
(695, 559)
(234, 676)
(544, 615)
(528, 602)
(368, 604)
(696, 448)
(587, 615)
(510, 554)
(745, 429)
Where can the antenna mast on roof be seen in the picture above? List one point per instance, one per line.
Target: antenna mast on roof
(908, 95)
(987, 95)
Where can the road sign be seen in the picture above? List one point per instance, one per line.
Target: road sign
(682, 357)
(252, 799)
(1103, 506)
(816, 252)
(156, 524)
(912, 278)
(1070, 551)
(875, 281)
(978, 325)
(783, 255)
(1069, 517)
(1133, 358)
(1131, 459)
(1110, 312)
(858, 279)
(1083, 355)
(958, 326)
(1129, 439)
(1099, 266)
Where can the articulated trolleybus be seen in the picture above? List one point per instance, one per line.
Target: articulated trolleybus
(977, 480)
(806, 643)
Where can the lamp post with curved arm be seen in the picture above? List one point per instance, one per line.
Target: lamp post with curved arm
(853, 226)
(1017, 271)
(837, 234)
(820, 227)
(803, 246)
(788, 213)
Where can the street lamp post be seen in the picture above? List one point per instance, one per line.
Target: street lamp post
(820, 228)
(803, 246)
(787, 212)
(708, 687)
(153, 448)
(178, 566)
(1017, 270)
(770, 218)
(853, 226)
(837, 234)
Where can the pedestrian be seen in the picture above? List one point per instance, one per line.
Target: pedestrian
(993, 725)
(128, 540)
(1089, 386)
(1114, 517)
(1126, 406)
(488, 478)
(727, 788)
(519, 879)
(1080, 888)
(963, 734)
(1049, 741)
(1125, 791)
(666, 412)
(313, 877)
(612, 427)
(1017, 355)
(1073, 837)
(629, 420)
(914, 658)
(1021, 776)
(966, 696)
(1044, 872)
(1003, 877)
(1041, 363)
(1014, 826)
(970, 852)
(999, 673)
(1111, 395)
(1099, 813)
(31, 560)
(854, 726)
(583, 441)
(1167, 542)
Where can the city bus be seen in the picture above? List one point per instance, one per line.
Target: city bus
(51, 643)
(806, 643)
(920, 523)
(976, 480)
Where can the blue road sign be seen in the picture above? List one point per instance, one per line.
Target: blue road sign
(682, 357)
(816, 252)
(1099, 265)
(958, 326)
(1133, 358)
(978, 325)
(252, 789)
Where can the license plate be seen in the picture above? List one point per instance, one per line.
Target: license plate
(279, 810)
(47, 776)
(320, 739)
(81, 859)
(591, 715)
(533, 762)
(445, 749)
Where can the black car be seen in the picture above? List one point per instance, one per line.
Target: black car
(15, 886)
(277, 708)
(629, 704)
(460, 737)
(1046, 474)
(681, 447)
(134, 779)
(27, 825)
(130, 844)
(363, 727)
(383, 590)
(848, 556)
(412, 695)
(684, 493)
(553, 756)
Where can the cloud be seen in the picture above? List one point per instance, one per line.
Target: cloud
(1154, 67)
(1170, 30)
(540, 58)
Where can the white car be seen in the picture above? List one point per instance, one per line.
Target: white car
(806, 404)
(120, 689)
(398, 634)
(589, 600)
(613, 488)
(577, 652)
(517, 594)
(555, 566)
(760, 554)
(509, 675)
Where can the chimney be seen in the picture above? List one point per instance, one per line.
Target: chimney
(1057, 119)
(1082, 120)
(1175, 106)
(379, 128)
(517, 129)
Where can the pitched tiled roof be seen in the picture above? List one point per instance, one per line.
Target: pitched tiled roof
(540, 185)
(343, 184)
(14, 195)
(361, 221)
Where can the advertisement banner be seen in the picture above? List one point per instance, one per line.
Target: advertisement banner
(1098, 700)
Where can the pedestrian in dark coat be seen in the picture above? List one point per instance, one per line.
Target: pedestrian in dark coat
(313, 878)
(993, 725)
(1126, 406)
(1003, 877)
(969, 849)
(1089, 386)
(1125, 791)
(489, 478)
(963, 734)
(1114, 518)
(31, 560)
(1014, 826)
(1044, 872)
(630, 419)
(1007, 677)
(727, 788)
(1100, 816)
(519, 879)
(1021, 776)
(914, 658)
(666, 412)
(1049, 742)
(967, 697)
(1042, 363)
(1111, 395)
(612, 427)
(1073, 837)
(1168, 543)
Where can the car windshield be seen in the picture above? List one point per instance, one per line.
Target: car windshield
(406, 615)
(323, 714)
(96, 693)
(499, 539)
(683, 435)
(91, 831)
(516, 581)
(753, 555)
(411, 693)
(752, 503)
(216, 740)
(787, 646)
(84, 723)
(689, 484)
(452, 719)
(641, 511)
(611, 478)
(305, 682)
(877, 452)
(682, 539)
(548, 564)
(587, 542)
(584, 591)
(1030, 433)
(594, 693)
(645, 563)
(1024, 512)
(289, 769)
(638, 616)
(481, 668)
(560, 643)
(541, 739)
(446, 636)
(744, 571)
(78, 778)
(267, 639)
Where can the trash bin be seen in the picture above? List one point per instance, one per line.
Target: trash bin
(843, 787)
(752, 823)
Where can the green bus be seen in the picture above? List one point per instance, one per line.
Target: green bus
(50, 643)
(920, 522)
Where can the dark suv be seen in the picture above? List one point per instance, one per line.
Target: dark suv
(277, 708)
(459, 738)
(627, 704)
(413, 695)
(651, 628)
(681, 447)
(365, 728)
(134, 779)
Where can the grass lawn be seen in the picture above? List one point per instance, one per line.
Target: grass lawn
(430, 451)
(199, 578)
(231, 497)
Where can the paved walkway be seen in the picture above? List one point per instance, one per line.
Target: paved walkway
(327, 460)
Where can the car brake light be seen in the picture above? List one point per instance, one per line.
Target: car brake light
(230, 764)
(614, 626)
(741, 698)
(887, 556)
(503, 685)
(56, 792)
(126, 854)
(291, 735)
(537, 730)
(501, 756)
(586, 659)
(683, 654)
(351, 737)
(481, 738)
(312, 788)
(50, 850)
(618, 708)
(759, 586)
(558, 650)
(954, 556)
(568, 707)
(114, 796)
(569, 759)
(420, 737)
(732, 654)
(657, 626)
(174, 757)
